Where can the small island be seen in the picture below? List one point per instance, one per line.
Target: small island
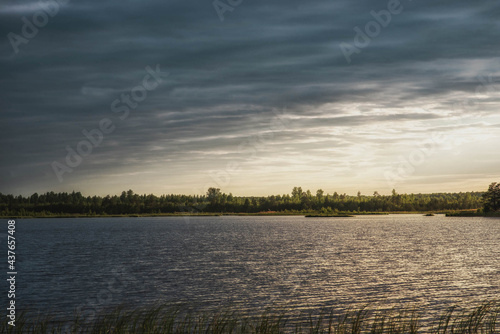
(328, 215)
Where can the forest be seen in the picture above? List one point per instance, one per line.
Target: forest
(215, 201)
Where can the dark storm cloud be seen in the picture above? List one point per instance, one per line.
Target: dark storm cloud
(225, 78)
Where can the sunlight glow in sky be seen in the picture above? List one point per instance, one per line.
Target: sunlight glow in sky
(255, 104)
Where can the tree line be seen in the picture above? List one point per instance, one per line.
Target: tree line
(492, 198)
(215, 201)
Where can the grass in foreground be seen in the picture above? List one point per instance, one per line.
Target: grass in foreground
(480, 319)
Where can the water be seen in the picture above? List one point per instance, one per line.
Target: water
(250, 263)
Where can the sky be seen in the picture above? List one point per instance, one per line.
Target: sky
(252, 97)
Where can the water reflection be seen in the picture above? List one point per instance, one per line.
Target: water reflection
(251, 263)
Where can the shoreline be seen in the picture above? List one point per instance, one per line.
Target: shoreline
(304, 214)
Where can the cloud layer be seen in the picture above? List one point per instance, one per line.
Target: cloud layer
(256, 104)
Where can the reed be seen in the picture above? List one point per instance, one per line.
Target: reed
(162, 319)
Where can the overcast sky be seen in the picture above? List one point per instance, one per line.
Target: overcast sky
(254, 97)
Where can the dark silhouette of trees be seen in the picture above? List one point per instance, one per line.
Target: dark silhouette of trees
(213, 195)
(216, 201)
(492, 198)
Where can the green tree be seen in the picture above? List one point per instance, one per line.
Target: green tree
(297, 192)
(305, 200)
(319, 194)
(213, 195)
(492, 198)
(246, 206)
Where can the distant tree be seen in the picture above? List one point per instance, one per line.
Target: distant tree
(213, 195)
(305, 200)
(492, 198)
(319, 193)
(130, 194)
(376, 194)
(34, 198)
(359, 193)
(246, 206)
(297, 192)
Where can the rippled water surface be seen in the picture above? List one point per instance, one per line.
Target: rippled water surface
(250, 263)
